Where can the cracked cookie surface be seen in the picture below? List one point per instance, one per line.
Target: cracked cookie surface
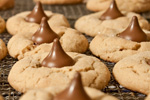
(124, 5)
(3, 49)
(133, 72)
(71, 40)
(49, 93)
(17, 24)
(114, 48)
(92, 25)
(2, 25)
(59, 1)
(28, 74)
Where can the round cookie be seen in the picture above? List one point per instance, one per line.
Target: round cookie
(119, 45)
(28, 22)
(59, 1)
(3, 49)
(6, 4)
(16, 24)
(49, 93)
(124, 5)
(28, 73)
(2, 25)
(113, 48)
(92, 25)
(20, 46)
(133, 72)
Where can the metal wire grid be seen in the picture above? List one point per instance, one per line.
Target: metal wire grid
(27, 5)
(72, 12)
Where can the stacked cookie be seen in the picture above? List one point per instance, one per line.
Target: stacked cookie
(50, 65)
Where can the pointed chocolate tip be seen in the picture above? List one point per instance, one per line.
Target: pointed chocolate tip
(57, 58)
(44, 34)
(44, 19)
(36, 15)
(77, 75)
(56, 40)
(134, 32)
(112, 12)
(75, 91)
(135, 22)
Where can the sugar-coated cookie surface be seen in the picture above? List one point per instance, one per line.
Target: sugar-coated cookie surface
(59, 1)
(92, 25)
(124, 5)
(2, 25)
(17, 24)
(49, 93)
(28, 73)
(133, 72)
(3, 49)
(71, 40)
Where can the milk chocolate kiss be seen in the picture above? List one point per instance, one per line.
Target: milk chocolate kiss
(37, 14)
(57, 57)
(75, 91)
(112, 12)
(134, 32)
(44, 34)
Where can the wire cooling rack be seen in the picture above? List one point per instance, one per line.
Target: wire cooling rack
(72, 12)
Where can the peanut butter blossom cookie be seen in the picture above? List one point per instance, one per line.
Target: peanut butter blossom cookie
(133, 72)
(128, 42)
(3, 49)
(124, 5)
(75, 91)
(41, 40)
(110, 21)
(57, 69)
(28, 22)
(59, 1)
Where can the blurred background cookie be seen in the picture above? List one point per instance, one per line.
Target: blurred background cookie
(3, 49)
(125, 5)
(6, 4)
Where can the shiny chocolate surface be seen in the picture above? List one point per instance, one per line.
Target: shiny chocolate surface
(134, 32)
(75, 91)
(112, 12)
(37, 14)
(57, 58)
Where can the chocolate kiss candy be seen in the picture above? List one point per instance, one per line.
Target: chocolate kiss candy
(75, 91)
(57, 57)
(112, 12)
(36, 15)
(44, 34)
(134, 32)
